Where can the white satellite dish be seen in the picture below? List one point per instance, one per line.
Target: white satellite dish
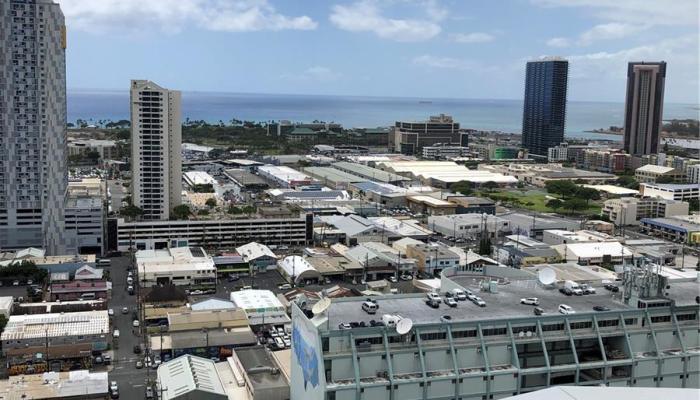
(321, 306)
(528, 333)
(404, 326)
(521, 334)
(546, 276)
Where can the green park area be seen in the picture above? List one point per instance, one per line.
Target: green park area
(541, 201)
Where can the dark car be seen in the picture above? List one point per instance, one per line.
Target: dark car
(137, 349)
(538, 310)
(566, 291)
(432, 303)
(601, 308)
(611, 287)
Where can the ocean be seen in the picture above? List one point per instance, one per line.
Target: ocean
(357, 111)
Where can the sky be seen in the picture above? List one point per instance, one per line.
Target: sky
(395, 48)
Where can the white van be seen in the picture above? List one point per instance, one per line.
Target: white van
(369, 307)
(88, 296)
(104, 262)
(564, 309)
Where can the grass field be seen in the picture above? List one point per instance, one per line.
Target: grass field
(534, 200)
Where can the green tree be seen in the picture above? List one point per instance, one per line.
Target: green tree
(248, 210)
(181, 212)
(575, 205)
(665, 179)
(130, 211)
(489, 186)
(694, 205)
(561, 187)
(555, 204)
(234, 210)
(3, 322)
(587, 194)
(211, 202)
(203, 212)
(463, 187)
(485, 246)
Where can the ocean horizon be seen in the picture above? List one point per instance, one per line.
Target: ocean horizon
(362, 111)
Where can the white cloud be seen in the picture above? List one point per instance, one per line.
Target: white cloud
(605, 71)
(365, 16)
(320, 73)
(443, 62)
(654, 12)
(612, 30)
(172, 16)
(558, 42)
(474, 37)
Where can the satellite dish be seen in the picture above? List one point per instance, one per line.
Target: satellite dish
(546, 276)
(521, 334)
(404, 326)
(528, 334)
(321, 306)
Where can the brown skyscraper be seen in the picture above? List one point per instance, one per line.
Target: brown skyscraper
(644, 106)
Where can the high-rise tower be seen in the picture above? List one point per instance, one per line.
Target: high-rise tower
(33, 164)
(156, 141)
(644, 106)
(544, 110)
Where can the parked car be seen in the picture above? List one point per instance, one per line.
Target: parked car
(434, 296)
(106, 358)
(110, 312)
(279, 343)
(531, 301)
(137, 349)
(564, 309)
(15, 283)
(393, 279)
(611, 287)
(406, 277)
(130, 289)
(479, 302)
(538, 310)
(601, 308)
(433, 303)
(344, 325)
(451, 302)
(115, 334)
(233, 277)
(285, 286)
(136, 323)
(149, 392)
(139, 364)
(30, 282)
(113, 387)
(587, 289)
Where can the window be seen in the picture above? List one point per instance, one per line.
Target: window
(686, 317)
(608, 322)
(660, 319)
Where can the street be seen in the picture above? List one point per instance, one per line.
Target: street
(131, 380)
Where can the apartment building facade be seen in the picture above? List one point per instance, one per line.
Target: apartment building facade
(156, 142)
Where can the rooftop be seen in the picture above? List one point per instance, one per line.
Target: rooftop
(199, 178)
(499, 306)
(369, 172)
(612, 189)
(655, 169)
(55, 385)
(256, 299)
(672, 186)
(253, 251)
(259, 365)
(187, 374)
(22, 327)
(333, 175)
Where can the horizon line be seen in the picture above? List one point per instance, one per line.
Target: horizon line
(126, 90)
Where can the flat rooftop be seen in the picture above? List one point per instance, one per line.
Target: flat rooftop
(502, 305)
(369, 172)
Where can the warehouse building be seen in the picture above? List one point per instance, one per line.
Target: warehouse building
(283, 176)
(370, 174)
(180, 266)
(333, 178)
(646, 338)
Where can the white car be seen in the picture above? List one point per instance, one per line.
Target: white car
(115, 334)
(110, 312)
(393, 279)
(479, 302)
(531, 301)
(284, 286)
(434, 297)
(406, 277)
(471, 296)
(136, 323)
(564, 309)
(113, 387)
(451, 302)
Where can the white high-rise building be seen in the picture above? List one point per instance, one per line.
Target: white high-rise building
(33, 164)
(156, 140)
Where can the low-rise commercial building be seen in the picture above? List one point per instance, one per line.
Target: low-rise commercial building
(259, 256)
(432, 259)
(443, 173)
(557, 236)
(55, 337)
(106, 149)
(428, 205)
(190, 377)
(540, 174)
(371, 174)
(283, 176)
(469, 225)
(655, 173)
(444, 152)
(519, 257)
(261, 306)
(670, 191)
(595, 253)
(66, 385)
(180, 266)
(629, 210)
(673, 229)
(472, 205)
(380, 261)
(332, 177)
(533, 226)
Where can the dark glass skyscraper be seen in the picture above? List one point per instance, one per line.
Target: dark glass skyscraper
(544, 111)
